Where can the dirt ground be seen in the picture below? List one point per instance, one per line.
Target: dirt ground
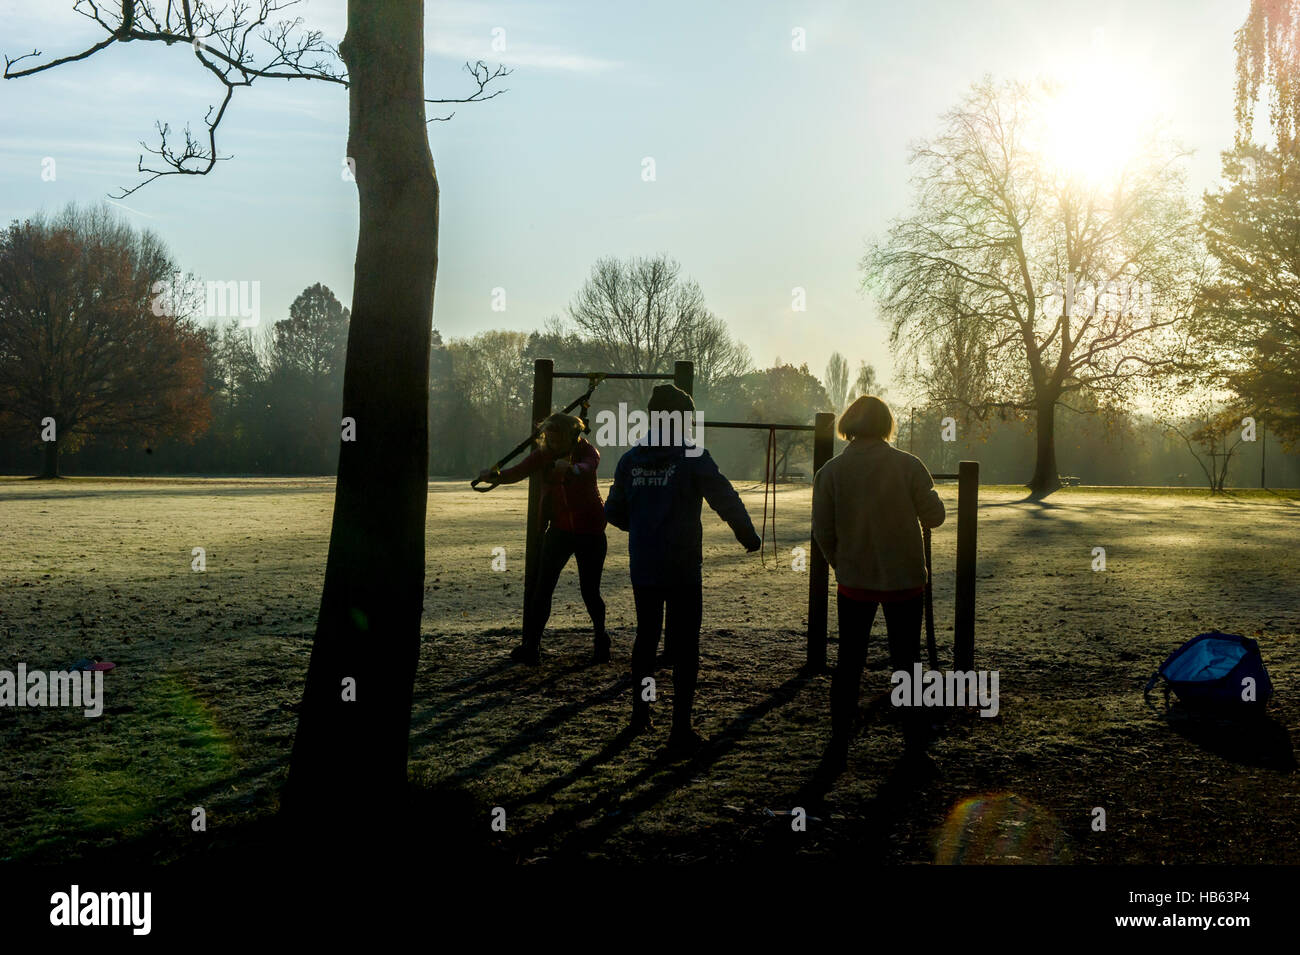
(200, 709)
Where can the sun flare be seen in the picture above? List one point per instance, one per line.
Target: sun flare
(1096, 119)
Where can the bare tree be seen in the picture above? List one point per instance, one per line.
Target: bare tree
(717, 356)
(1214, 436)
(1012, 285)
(349, 758)
(641, 315)
(837, 381)
(865, 383)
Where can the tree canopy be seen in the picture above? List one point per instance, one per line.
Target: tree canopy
(86, 349)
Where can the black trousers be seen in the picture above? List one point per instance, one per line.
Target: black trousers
(557, 547)
(903, 620)
(676, 612)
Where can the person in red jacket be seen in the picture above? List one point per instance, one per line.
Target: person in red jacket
(575, 513)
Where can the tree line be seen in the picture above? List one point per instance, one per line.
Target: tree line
(165, 392)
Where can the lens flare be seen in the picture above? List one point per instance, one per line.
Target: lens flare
(999, 829)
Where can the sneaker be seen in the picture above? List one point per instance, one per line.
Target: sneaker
(684, 743)
(526, 654)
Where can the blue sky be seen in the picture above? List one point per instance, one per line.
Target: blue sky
(774, 168)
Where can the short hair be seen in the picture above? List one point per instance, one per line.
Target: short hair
(867, 417)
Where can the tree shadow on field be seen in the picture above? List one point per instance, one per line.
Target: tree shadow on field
(612, 811)
(514, 684)
(530, 734)
(1258, 741)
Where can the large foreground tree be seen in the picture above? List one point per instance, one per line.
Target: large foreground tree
(348, 769)
(1013, 284)
(85, 351)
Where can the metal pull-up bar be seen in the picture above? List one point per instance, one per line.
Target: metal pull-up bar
(544, 373)
(823, 428)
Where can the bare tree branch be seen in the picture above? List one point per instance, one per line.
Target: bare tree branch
(238, 43)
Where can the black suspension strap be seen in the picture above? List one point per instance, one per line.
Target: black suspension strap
(931, 650)
(583, 399)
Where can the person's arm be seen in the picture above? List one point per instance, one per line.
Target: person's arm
(521, 470)
(588, 460)
(929, 509)
(722, 497)
(616, 511)
(823, 515)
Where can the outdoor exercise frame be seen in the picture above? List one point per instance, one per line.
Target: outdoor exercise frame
(823, 428)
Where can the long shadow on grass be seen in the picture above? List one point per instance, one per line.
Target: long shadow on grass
(568, 820)
(532, 733)
(486, 697)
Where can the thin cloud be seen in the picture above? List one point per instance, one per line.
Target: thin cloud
(464, 47)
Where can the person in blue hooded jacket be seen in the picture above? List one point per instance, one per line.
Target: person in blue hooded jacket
(659, 486)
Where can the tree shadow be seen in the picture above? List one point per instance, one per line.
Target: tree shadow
(1031, 498)
(611, 811)
(531, 733)
(477, 690)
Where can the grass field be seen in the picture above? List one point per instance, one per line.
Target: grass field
(200, 709)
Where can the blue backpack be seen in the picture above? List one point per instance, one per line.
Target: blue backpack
(1208, 672)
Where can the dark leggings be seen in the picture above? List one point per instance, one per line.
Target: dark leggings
(677, 613)
(903, 622)
(557, 547)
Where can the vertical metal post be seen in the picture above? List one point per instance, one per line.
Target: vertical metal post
(684, 376)
(542, 371)
(1263, 454)
(818, 569)
(968, 485)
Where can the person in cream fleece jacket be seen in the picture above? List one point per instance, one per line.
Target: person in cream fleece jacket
(869, 504)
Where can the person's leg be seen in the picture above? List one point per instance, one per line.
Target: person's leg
(649, 623)
(590, 551)
(903, 618)
(856, 618)
(556, 549)
(684, 616)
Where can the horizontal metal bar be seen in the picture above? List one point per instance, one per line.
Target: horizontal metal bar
(757, 425)
(621, 375)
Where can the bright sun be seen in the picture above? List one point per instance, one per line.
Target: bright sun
(1096, 121)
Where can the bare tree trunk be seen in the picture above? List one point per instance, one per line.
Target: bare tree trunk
(50, 464)
(348, 769)
(1045, 479)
